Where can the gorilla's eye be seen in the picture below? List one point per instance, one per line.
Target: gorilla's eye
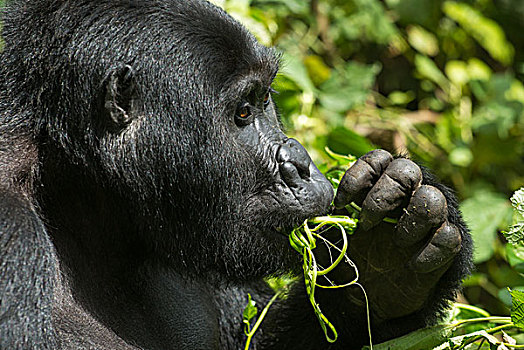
(266, 99)
(244, 112)
(243, 115)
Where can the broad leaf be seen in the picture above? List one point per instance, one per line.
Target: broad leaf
(484, 213)
(517, 308)
(250, 311)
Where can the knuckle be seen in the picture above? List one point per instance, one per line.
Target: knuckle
(428, 260)
(448, 238)
(378, 160)
(386, 194)
(443, 247)
(405, 172)
(356, 177)
(428, 202)
(426, 211)
(355, 183)
(359, 172)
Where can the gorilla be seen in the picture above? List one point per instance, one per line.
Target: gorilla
(145, 185)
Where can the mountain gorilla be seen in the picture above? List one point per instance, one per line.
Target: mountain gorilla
(145, 183)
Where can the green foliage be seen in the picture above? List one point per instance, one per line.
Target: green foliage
(250, 312)
(515, 235)
(486, 31)
(517, 308)
(304, 240)
(485, 213)
(468, 327)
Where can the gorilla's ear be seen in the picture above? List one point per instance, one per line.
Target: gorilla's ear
(120, 95)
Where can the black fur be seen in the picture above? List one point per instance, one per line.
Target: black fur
(136, 209)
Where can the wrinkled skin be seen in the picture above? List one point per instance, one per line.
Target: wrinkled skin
(401, 263)
(145, 184)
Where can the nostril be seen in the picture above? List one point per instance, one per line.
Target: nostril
(293, 152)
(283, 153)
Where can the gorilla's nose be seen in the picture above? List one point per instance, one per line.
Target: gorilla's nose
(308, 185)
(293, 152)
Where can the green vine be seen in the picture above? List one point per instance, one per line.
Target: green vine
(304, 240)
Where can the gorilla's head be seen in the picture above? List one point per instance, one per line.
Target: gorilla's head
(165, 109)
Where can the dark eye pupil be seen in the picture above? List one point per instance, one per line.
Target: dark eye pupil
(266, 99)
(244, 112)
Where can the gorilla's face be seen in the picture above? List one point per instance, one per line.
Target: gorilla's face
(185, 130)
(236, 174)
(289, 188)
(230, 181)
(284, 187)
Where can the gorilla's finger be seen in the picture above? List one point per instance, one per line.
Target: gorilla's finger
(400, 179)
(442, 248)
(359, 179)
(426, 211)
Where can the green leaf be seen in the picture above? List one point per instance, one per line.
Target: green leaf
(517, 308)
(345, 141)
(457, 72)
(504, 294)
(317, 69)
(296, 71)
(515, 235)
(426, 13)
(425, 338)
(478, 70)
(250, 311)
(515, 92)
(515, 257)
(279, 283)
(341, 159)
(484, 30)
(517, 201)
(461, 156)
(334, 176)
(370, 21)
(429, 70)
(484, 213)
(462, 339)
(422, 40)
(349, 87)
(401, 98)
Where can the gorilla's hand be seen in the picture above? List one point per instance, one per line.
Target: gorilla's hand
(401, 263)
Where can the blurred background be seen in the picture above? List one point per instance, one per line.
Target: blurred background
(440, 81)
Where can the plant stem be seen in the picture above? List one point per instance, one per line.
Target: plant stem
(472, 308)
(494, 319)
(260, 318)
